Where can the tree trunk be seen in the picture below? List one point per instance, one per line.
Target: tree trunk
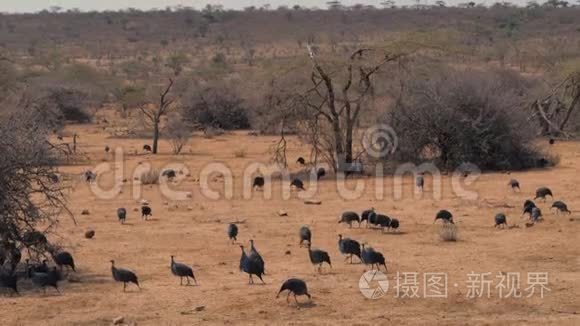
(155, 136)
(570, 110)
(340, 159)
(348, 142)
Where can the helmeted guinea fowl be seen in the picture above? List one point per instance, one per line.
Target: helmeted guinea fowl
(500, 220)
(542, 192)
(182, 270)
(35, 268)
(528, 206)
(348, 218)
(11, 254)
(305, 235)
(444, 215)
(63, 258)
(297, 183)
(394, 225)
(145, 211)
(513, 183)
(294, 286)
(365, 215)
(250, 265)
(9, 281)
(420, 182)
(233, 232)
(122, 215)
(561, 207)
(254, 254)
(321, 172)
(124, 275)
(536, 214)
(169, 173)
(371, 257)
(50, 278)
(318, 257)
(383, 221)
(348, 247)
(258, 182)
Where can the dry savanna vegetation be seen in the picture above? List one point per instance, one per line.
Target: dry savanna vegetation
(103, 114)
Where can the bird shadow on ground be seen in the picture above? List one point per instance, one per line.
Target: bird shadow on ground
(309, 304)
(94, 278)
(394, 233)
(129, 224)
(328, 272)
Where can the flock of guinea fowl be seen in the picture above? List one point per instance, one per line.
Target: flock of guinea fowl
(252, 262)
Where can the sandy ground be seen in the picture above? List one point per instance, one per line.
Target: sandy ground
(194, 231)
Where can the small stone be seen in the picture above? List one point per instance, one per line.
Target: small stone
(85, 212)
(282, 213)
(529, 224)
(199, 308)
(189, 195)
(189, 208)
(288, 253)
(312, 202)
(119, 320)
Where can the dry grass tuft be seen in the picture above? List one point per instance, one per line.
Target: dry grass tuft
(448, 232)
(240, 153)
(150, 177)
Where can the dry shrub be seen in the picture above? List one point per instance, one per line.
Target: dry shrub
(448, 232)
(452, 117)
(150, 177)
(211, 132)
(240, 153)
(177, 132)
(217, 106)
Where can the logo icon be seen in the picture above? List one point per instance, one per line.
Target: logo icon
(373, 285)
(380, 141)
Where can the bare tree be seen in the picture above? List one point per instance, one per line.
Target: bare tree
(339, 105)
(154, 112)
(31, 191)
(555, 109)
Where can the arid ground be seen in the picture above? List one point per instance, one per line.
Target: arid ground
(194, 230)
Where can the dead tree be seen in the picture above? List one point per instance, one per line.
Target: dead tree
(340, 104)
(32, 192)
(153, 113)
(554, 110)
